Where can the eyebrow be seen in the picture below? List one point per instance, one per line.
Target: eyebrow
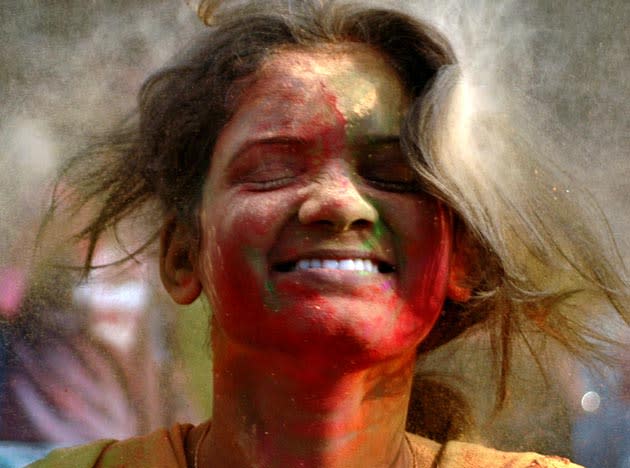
(292, 140)
(378, 140)
(273, 140)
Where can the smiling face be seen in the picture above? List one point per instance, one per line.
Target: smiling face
(314, 236)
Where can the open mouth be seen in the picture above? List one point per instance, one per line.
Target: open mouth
(346, 264)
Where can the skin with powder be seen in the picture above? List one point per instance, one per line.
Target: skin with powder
(309, 169)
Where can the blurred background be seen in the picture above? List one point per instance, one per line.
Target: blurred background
(113, 357)
(110, 357)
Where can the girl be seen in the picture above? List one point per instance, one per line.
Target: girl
(325, 182)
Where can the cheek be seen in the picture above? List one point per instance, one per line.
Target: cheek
(237, 226)
(237, 233)
(425, 248)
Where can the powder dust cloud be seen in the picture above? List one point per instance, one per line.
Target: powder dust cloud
(70, 70)
(569, 61)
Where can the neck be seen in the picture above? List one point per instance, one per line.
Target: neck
(277, 410)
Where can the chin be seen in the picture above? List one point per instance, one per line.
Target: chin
(340, 332)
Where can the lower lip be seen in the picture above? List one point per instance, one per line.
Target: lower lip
(332, 280)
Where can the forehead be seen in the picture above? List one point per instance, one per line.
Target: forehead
(356, 77)
(344, 93)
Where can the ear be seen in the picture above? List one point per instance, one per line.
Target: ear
(459, 287)
(176, 267)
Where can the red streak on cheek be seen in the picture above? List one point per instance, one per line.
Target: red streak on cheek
(258, 226)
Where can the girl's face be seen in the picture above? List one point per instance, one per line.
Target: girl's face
(315, 239)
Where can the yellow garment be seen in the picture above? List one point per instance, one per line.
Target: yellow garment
(175, 448)
(160, 449)
(454, 454)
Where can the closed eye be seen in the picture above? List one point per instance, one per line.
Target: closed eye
(267, 176)
(267, 166)
(394, 186)
(387, 170)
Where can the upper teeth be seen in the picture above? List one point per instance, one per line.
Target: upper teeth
(349, 264)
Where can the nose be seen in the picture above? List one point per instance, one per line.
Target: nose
(333, 199)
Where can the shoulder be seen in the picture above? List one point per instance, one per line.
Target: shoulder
(164, 447)
(466, 455)
(81, 456)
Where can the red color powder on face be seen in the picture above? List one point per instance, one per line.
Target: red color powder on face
(312, 101)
